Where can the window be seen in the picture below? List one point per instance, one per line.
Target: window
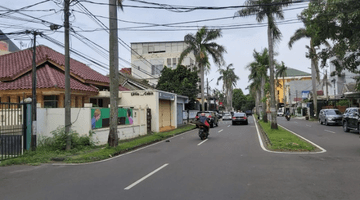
(278, 92)
(169, 62)
(51, 101)
(156, 69)
(174, 62)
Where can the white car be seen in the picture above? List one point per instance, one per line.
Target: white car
(227, 117)
(280, 113)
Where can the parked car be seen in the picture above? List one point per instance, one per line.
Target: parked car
(280, 113)
(239, 118)
(214, 118)
(248, 112)
(330, 116)
(351, 119)
(227, 117)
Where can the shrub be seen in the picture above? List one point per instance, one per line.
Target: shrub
(299, 110)
(58, 141)
(343, 102)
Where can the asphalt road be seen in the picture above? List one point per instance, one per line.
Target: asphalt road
(229, 165)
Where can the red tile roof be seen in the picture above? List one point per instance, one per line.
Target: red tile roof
(47, 77)
(15, 64)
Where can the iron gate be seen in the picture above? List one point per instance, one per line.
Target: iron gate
(13, 129)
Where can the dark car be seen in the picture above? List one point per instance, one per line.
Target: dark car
(330, 116)
(239, 118)
(212, 115)
(351, 119)
(248, 112)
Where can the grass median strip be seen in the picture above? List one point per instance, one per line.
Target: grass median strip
(283, 140)
(90, 154)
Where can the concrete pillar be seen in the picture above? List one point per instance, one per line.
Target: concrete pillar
(61, 102)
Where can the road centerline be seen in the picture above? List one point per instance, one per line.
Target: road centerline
(202, 142)
(329, 131)
(145, 177)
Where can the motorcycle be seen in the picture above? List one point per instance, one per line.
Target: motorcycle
(287, 117)
(203, 131)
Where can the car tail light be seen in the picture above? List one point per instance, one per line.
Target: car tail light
(234, 117)
(209, 116)
(245, 117)
(196, 117)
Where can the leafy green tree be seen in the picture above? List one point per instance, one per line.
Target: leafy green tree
(271, 9)
(229, 80)
(201, 45)
(258, 74)
(180, 80)
(310, 31)
(239, 99)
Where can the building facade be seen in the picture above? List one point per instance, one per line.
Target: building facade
(87, 85)
(149, 58)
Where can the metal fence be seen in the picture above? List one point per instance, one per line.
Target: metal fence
(12, 129)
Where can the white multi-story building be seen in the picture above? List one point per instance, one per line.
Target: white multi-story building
(149, 58)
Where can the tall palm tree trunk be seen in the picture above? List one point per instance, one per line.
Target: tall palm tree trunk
(313, 78)
(114, 74)
(202, 87)
(257, 101)
(284, 92)
(272, 82)
(263, 104)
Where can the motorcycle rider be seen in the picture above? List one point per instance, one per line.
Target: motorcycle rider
(202, 120)
(287, 114)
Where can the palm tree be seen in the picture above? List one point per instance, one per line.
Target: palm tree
(281, 71)
(258, 70)
(271, 9)
(201, 45)
(308, 32)
(254, 89)
(114, 71)
(229, 80)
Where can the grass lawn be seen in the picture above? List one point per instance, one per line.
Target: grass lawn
(283, 140)
(90, 154)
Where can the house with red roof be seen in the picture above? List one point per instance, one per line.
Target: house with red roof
(87, 85)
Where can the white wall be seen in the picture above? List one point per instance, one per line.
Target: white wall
(49, 119)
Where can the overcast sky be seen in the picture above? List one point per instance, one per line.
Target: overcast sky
(239, 43)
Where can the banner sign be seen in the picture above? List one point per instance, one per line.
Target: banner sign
(305, 94)
(163, 95)
(100, 117)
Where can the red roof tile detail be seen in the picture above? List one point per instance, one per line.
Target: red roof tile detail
(14, 64)
(47, 77)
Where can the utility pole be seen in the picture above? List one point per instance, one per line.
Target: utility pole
(207, 94)
(67, 76)
(33, 116)
(114, 73)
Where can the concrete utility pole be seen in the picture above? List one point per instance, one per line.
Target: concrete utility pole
(33, 103)
(114, 73)
(67, 76)
(207, 94)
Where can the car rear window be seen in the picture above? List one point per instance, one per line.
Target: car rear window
(333, 112)
(239, 114)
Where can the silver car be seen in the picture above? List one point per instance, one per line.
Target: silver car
(227, 117)
(330, 116)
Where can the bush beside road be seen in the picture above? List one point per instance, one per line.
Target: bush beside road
(45, 154)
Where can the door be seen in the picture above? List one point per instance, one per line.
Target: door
(164, 115)
(179, 112)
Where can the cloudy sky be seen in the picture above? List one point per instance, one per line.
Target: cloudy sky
(239, 42)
